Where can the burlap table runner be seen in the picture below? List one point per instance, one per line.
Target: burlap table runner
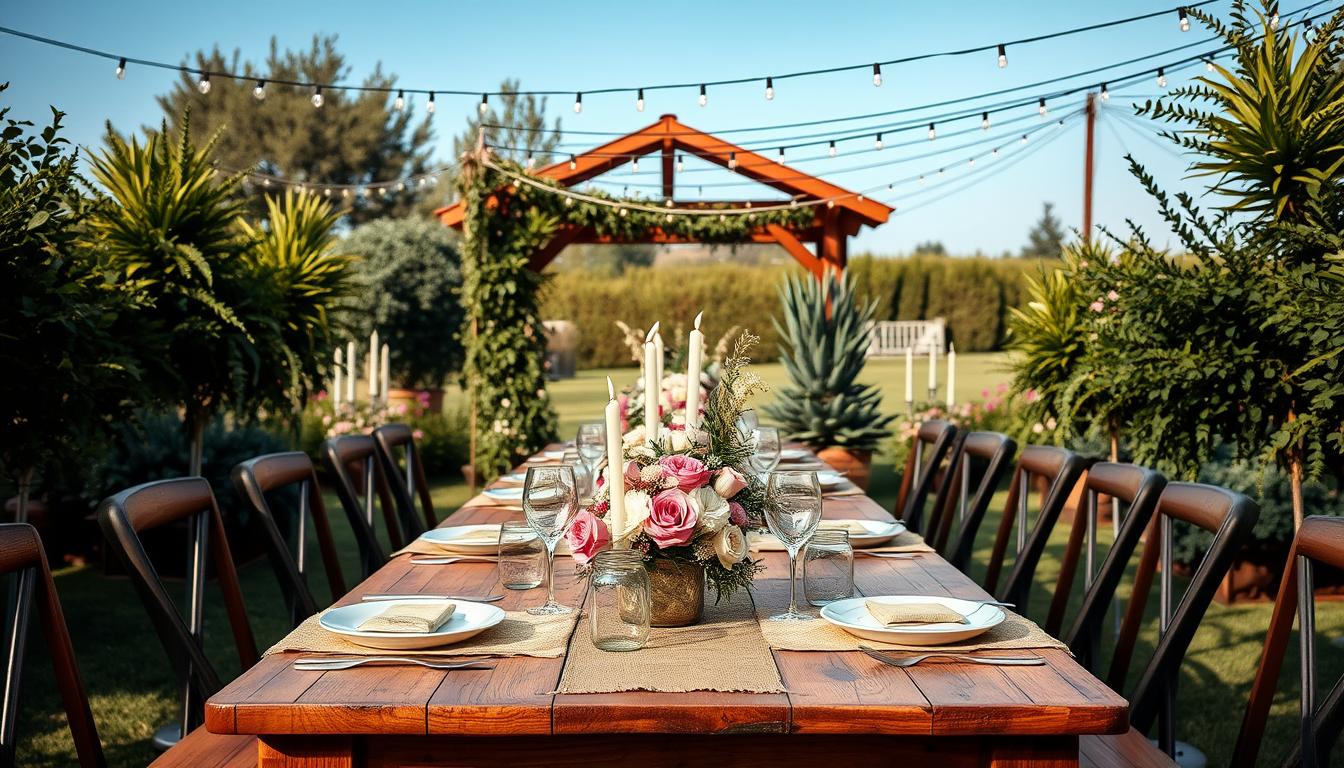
(906, 541)
(519, 634)
(724, 652)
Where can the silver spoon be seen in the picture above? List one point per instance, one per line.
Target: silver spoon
(993, 661)
(447, 560)
(468, 598)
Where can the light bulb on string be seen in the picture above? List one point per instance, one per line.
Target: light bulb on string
(429, 107)
(1024, 138)
(971, 162)
(933, 133)
(830, 151)
(317, 97)
(1184, 21)
(573, 162)
(877, 143)
(877, 75)
(994, 152)
(1003, 56)
(639, 101)
(634, 165)
(485, 103)
(326, 191)
(345, 193)
(1161, 78)
(940, 171)
(732, 161)
(259, 91)
(1040, 107)
(578, 103)
(984, 121)
(1105, 94)
(265, 181)
(681, 163)
(921, 178)
(399, 103)
(531, 161)
(121, 68)
(1208, 65)
(204, 85)
(704, 97)
(769, 89)
(1274, 18)
(781, 156)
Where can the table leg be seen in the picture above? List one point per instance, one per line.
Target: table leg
(1033, 752)
(306, 752)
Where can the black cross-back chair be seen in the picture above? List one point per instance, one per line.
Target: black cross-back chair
(260, 479)
(188, 500)
(22, 558)
(1320, 541)
(990, 454)
(932, 442)
(1138, 489)
(405, 478)
(1060, 468)
(343, 457)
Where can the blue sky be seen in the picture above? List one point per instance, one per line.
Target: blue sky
(588, 45)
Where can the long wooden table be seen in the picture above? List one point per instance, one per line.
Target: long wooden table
(840, 706)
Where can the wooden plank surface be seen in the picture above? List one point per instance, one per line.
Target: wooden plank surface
(828, 693)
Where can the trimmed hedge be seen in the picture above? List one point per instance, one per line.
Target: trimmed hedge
(972, 293)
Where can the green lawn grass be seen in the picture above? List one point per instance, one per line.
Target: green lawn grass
(131, 686)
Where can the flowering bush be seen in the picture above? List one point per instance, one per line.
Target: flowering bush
(998, 410)
(442, 438)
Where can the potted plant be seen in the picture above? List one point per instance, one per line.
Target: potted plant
(825, 334)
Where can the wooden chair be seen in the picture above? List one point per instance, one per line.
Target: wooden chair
(123, 518)
(343, 457)
(931, 444)
(1319, 540)
(403, 476)
(22, 558)
(1138, 489)
(1060, 469)
(260, 479)
(991, 453)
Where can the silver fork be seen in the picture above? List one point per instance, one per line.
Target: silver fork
(447, 560)
(993, 661)
(888, 555)
(333, 664)
(468, 598)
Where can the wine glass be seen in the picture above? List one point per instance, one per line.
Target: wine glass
(746, 423)
(592, 444)
(550, 501)
(792, 511)
(765, 456)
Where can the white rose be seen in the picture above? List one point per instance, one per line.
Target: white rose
(679, 441)
(713, 510)
(730, 546)
(636, 512)
(634, 436)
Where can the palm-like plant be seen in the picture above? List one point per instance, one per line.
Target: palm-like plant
(826, 333)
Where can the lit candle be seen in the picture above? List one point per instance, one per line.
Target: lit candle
(350, 372)
(372, 365)
(336, 385)
(382, 372)
(951, 375)
(615, 465)
(910, 374)
(651, 388)
(694, 353)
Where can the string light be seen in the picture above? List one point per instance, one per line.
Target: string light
(781, 156)
(1003, 56)
(830, 151)
(681, 163)
(1024, 138)
(578, 102)
(769, 89)
(573, 162)
(1274, 19)
(121, 68)
(204, 85)
(1185, 22)
(994, 152)
(259, 92)
(1040, 107)
(1161, 78)
(634, 165)
(984, 121)
(1105, 94)
(704, 97)
(877, 143)
(639, 101)
(399, 103)
(933, 134)
(317, 97)
(877, 75)
(484, 106)
(1208, 65)
(530, 160)
(430, 106)
(971, 162)
(732, 161)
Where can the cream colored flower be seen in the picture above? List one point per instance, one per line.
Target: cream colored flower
(679, 441)
(713, 509)
(730, 546)
(634, 436)
(636, 512)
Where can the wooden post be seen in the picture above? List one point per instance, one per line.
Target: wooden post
(669, 180)
(1087, 167)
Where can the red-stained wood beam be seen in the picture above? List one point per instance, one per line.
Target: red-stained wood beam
(669, 181)
(796, 249)
(547, 253)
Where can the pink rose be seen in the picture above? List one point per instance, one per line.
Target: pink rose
(729, 482)
(737, 514)
(631, 472)
(671, 521)
(587, 536)
(689, 472)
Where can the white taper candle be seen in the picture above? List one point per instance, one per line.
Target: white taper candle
(615, 466)
(695, 351)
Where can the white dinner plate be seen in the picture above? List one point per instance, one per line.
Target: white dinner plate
(512, 493)
(877, 532)
(852, 616)
(459, 539)
(514, 477)
(553, 455)
(794, 454)
(468, 620)
(831, 479)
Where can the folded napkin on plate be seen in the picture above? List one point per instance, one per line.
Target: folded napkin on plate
(898, 614)
(853, 527)
(409, 617)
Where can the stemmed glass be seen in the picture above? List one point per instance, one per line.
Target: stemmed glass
(591, 443)
(792, 511)
(550, 501)
(746, 423)
(765, 457)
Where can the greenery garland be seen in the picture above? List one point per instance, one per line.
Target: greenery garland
(506, 222)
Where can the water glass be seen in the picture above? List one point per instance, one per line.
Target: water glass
(620, 609)
(828, 568)
(522, 556)
(792, 512)
(550, 501)
(765, 456)
(591, 442)
(746, 423)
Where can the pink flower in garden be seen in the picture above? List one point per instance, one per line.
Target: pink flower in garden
(671, 521)
(737, 514)
(418, 434)
(1112, 295)
(1097, 305)
(422, 397)
(587, 536)
(1031, 395)
(984, 393)
(1003, 387)
(321, 395)
(690, 472)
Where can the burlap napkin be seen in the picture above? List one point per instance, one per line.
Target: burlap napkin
(519, 634)
(419, 617)
(898, 614)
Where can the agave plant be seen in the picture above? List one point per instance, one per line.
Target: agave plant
(825, 348)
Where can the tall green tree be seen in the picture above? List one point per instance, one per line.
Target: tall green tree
(1046, 238)
(512, 125)
(354, 138)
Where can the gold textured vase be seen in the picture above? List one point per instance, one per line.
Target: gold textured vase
(676, 592)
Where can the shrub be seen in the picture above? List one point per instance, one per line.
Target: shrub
(442, 438)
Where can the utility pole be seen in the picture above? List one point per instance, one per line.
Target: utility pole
(1087, 168)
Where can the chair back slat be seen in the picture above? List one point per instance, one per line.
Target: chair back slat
(407, 482)
(341, 456)
(22, 557)
(189, 500)
(256, 480)
(932, 443)
(964, 507)
(1060, 468)
(1319, 540)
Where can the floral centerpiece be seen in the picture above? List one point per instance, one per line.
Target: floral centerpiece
(688, 501)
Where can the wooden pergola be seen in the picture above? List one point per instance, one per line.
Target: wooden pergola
(829, 229)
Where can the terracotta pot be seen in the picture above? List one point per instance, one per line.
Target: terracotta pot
(676, 593)
(413, 396)
(856, 465)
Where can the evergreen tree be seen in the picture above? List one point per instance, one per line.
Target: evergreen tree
(514, 125)
(1046, 239)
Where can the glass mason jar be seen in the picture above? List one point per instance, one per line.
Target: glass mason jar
(828, 567)
(522, 556)
(619, 611)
